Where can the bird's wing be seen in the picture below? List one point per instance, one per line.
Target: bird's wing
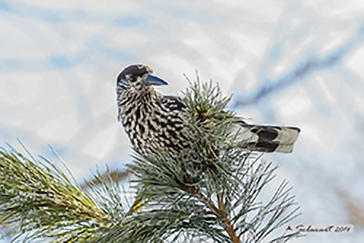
(262, 138)
(172, 102)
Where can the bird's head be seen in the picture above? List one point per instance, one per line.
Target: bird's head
(138, 78)
(135, 86)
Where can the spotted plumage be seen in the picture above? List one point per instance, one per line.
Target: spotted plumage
(152, 120)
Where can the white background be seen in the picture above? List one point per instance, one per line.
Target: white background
(59, 61)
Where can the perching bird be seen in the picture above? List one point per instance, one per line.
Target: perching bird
(152, 120)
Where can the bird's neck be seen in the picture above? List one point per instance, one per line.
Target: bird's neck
(145, 95)
(129, 99)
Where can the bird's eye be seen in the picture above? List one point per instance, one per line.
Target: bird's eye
(135, 77)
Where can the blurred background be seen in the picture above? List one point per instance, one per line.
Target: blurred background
(297, 63)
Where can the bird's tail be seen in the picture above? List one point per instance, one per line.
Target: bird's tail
(272, 138)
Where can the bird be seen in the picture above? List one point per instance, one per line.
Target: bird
(153, 121)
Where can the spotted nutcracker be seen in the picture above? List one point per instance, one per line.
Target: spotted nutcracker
(153, 120)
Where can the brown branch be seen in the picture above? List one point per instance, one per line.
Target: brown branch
(219, 212)
(228, 227)
(195, 191)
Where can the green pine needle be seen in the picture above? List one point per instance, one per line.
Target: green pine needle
(38, 200)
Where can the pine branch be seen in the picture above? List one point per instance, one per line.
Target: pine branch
(38, 200)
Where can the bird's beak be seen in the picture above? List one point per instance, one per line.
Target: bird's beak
(153, 80)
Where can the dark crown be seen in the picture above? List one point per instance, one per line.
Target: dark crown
(132, 72)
